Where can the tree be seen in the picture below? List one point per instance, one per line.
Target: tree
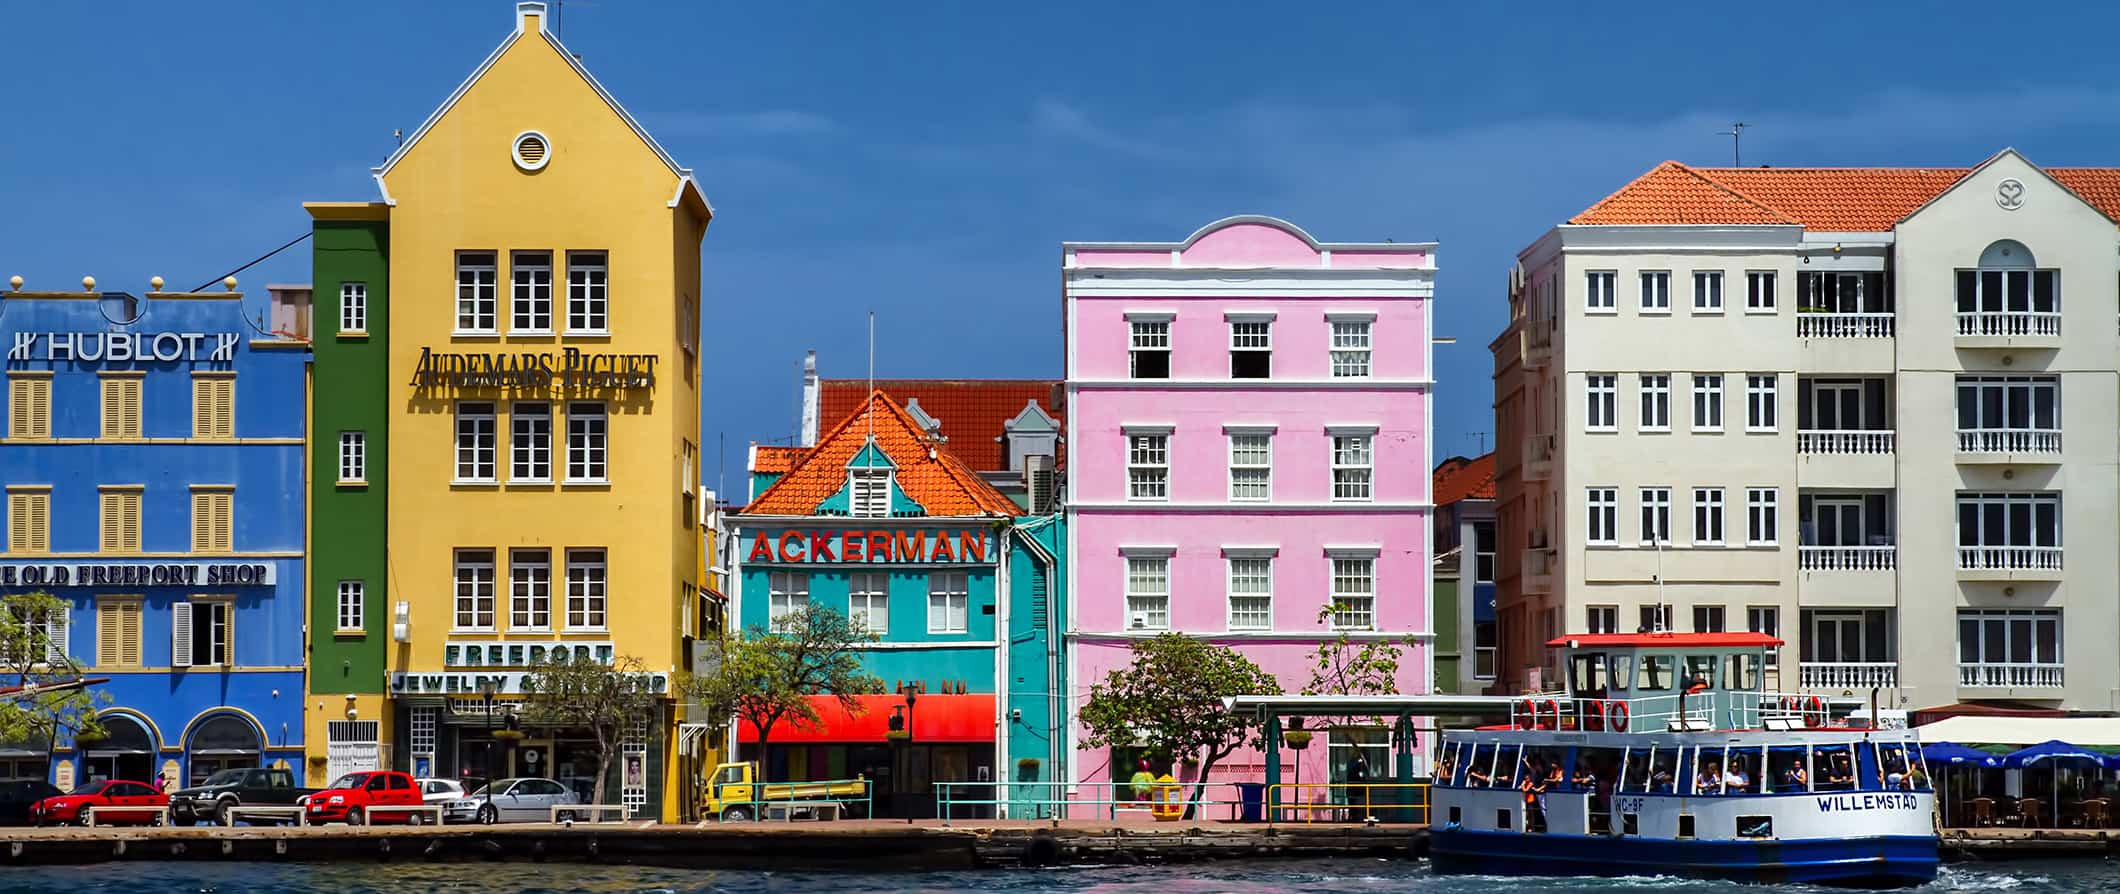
(1170, 699)
(606, 699)
(1342, 666)
(38, 713)
(766, 676)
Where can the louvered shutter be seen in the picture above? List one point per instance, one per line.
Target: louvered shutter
(40, 408)
(110, 629)
(113, 409)
(202, 408)
(17, 522)
(113, 536)
(132, 521)
(55, 651)
(224, 421)
(224, 521)
(18, 408)
(36, 537)
(201, 521)
(129, 641)
(133, 425)
(180, 635)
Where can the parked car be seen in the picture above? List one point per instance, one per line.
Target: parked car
(513, 801)
(17, 796)
(106, 796)
(359, 798)
(440, 791)
(211, 800)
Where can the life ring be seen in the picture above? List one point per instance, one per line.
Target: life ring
(1791, 705)
(1553, 708)
(1616, 717)
(1526, 714)
(1814, 714)
(1596, 717)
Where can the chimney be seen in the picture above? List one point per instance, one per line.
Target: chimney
(530, 17)
(809, 399)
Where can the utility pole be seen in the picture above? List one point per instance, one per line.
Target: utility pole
(1736, 134)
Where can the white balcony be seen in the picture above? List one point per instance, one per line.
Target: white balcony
(2010, 675)
(1847, 558)
(2009, 558)
(2009, 440)
(1869, 441)
(1839, 325)
(1857, 675)
(2010, 324)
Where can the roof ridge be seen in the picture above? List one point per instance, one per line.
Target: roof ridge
(1785, 216)
(1615, 194)
(952, 468)
(1688, 170)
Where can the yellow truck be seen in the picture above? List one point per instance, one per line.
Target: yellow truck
(735, 795)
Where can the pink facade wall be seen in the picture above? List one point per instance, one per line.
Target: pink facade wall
(1199, 335)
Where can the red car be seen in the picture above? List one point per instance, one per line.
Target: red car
(358, 798)
(107, 797)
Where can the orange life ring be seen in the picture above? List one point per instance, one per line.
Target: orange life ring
(1553, 708)
(1616, 717)
(1526, 715)
(1815, 715)
(1596, 715)
(1792, 704)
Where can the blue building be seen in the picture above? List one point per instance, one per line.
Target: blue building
(153, 464)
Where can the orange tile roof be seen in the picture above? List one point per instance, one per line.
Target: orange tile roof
(1458, 478)
(927, 472)
(1827, 200)
(972, 411)
(769, 458)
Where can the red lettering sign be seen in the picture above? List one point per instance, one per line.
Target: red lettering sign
(971, 546)
(760, 550)
(821, 547)
(788, 550)
(850, 546)
(909, 549)
(879, 546)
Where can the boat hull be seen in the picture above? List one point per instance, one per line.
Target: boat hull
(1870, 862)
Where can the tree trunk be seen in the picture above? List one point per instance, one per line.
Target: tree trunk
(603, 768)
(1192, 805)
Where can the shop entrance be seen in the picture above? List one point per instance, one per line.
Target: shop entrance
(533, 757)
(126, 751)
(223, 742)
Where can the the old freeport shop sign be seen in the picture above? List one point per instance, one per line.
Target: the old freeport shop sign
(570, 370)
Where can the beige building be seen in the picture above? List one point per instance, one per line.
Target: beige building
(1871, 411)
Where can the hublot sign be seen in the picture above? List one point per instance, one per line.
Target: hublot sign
(569, 370)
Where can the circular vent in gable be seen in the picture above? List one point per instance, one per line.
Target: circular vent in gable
(532, 150)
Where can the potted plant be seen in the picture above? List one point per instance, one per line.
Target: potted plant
(1027, 769)
(1297, 739)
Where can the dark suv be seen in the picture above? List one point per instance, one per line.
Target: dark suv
(210, 800)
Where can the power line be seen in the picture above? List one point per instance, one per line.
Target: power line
(253, 262)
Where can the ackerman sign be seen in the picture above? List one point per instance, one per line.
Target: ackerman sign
(569, 370)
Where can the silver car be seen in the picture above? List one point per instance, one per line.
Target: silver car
(439, 791)
(526, 800)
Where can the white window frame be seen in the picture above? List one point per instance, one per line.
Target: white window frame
(1656, 292)
(530, 589)
(1766, 619)
(786, 593)
(2005, 619)
(477, 293)
(1354, 462)
(184, 632)
(529, 294)
(352, 606)
(1251, 334)
(1249, 577)
(1655, 401)
(1600, 291)
(1146, 583)
(949, 602)
(1250, 457)
(588, 589)
(1601, 619)
(353, 457)
(475, 443)
(869, 601)
(1711, 619)
(589, 292)
(353, 308)
(530, 443)
(1353, 590)
(588, 443)
(1351, 347)
(1762, 516)
(1600, 402)
(1709, 518)
(1707, 291)
(1601, 516)
(1148, 334)
(1762, 402)
(1762, 291)
(473, 598)
(2032, 500)
(1148, 465)
(1708, 402)
(1656, 515)
(869, 493)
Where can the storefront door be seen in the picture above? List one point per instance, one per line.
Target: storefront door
(533, 758)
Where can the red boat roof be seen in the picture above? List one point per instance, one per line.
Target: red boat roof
(1665, 639)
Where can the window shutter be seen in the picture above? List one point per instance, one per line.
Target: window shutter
(201, 522)
(36, 522)
(180, 635)
(224, 522)
(224, 420)
(201, 408)
(133, 388)
(132, 521)
(113, 538)
(17, 522)
(109, 631)
(55, 651)
(129, 641)
(18, 408)
(113, 409)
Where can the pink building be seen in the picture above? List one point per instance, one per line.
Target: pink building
(1248, 444)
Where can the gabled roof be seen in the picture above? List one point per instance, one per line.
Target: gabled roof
(927, 472)
(972, 411)
(1458, 478)
(531, 13)
(1825, 200)
(769, 458)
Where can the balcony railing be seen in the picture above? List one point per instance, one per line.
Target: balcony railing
(1869, 441)
(2009, 558)
(2017, 322)
(1848, 674)
(1838, 325)
(2014, 675)
(2009, 440)
(1847, 558)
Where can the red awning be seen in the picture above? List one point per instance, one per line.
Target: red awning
(935, 718)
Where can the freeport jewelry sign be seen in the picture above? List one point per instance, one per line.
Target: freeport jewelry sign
(501, 682)
(137, 574)
(121, 347)
(571, 370)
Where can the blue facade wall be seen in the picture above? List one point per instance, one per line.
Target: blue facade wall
(1036, 707)
(263, 464)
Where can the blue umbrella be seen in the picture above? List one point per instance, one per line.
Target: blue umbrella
(2052, 749)
(1954, 753)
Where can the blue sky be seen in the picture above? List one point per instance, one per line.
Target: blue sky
(935, 155)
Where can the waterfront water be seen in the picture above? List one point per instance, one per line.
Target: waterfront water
(1306, 877)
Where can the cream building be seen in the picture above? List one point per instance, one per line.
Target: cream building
(1870, 411)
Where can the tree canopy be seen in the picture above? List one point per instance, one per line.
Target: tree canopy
(606, 699)
(765, 676)
(32, 660)
(1170, 699)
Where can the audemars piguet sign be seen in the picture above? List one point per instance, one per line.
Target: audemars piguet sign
(123, 347)
(568, 370)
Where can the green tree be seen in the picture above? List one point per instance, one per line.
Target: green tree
(50, 700)
(606, 699)
(1170, 699)
(766, 676)
(1346, 666)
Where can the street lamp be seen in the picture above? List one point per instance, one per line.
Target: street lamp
(487, 686)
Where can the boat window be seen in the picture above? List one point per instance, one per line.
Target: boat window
(1741, 771)
(1700, 671)
(1788, 769)
(1743, 672)
(1755, 827)
(1892, 769)
(1685, 825)
(1509, 767)
(1637, 776)
(1656, 673)
(1588, 675)
(1833, 768)
(1676, 765)
(1708, 778)
(1596, 770)
(1446, 763)
(1548, 766)
(1621, 667)
(1480, 772)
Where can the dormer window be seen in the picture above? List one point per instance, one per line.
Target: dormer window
(871, 493)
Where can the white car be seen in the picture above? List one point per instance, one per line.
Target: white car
(513, 801)
(439, 791)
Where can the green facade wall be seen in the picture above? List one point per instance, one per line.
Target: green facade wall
(1448, 653)
(347, 523)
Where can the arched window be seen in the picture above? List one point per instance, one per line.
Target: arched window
(222, 742)
(2008, 295)
(2006, 254)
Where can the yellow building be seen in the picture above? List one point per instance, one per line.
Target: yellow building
(542, 397)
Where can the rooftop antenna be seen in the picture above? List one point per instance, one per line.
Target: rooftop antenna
(1736, 133)
(871, 416)
(1482, 438)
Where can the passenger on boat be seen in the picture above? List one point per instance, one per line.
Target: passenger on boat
(1476, 779)
(1793, 778)
(1895, 776)
(1736, 779)
(1534, 786)
(1660, 777)
(1842, 776)
(1709, 779)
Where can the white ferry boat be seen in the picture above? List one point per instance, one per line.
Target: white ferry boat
(1665, 755)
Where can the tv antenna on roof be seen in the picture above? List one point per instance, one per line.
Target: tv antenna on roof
(1736, 134)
